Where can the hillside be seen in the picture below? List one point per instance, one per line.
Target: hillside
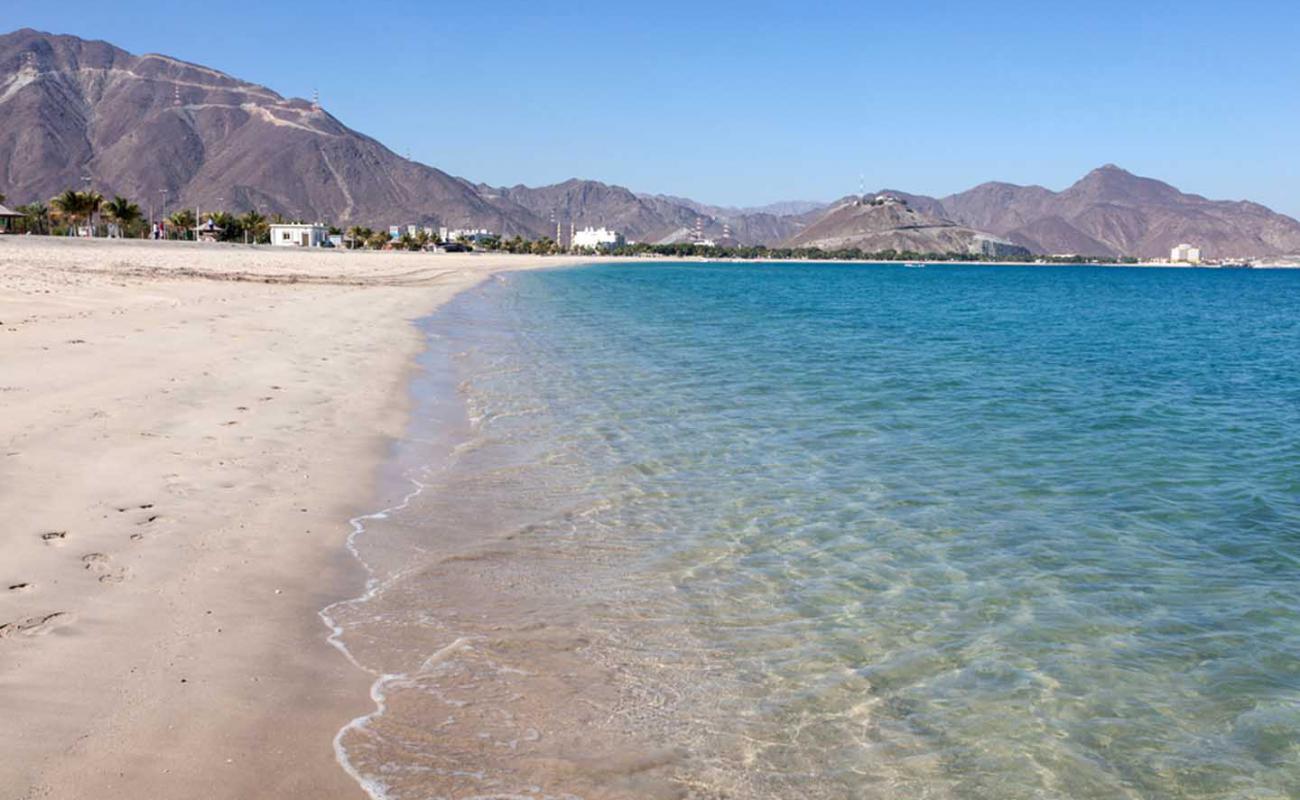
(151, 126)
(879, 226)
(1112, 212)
(139, 125)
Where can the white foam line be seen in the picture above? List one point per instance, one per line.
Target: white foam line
(374, 789)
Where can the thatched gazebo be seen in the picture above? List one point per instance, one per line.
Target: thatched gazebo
(208, 232)
(7, 217)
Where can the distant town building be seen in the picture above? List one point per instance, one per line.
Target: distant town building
(299, 235)
(598, 239)
(396, 232)
(464, 234)
(994, 247)
(1185, 254)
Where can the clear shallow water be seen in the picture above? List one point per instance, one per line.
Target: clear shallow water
(849, 531)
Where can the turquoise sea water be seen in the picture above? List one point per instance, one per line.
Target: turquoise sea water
(862, 531)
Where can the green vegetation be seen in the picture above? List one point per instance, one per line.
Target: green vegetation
(72, 212)
(36, 219)
(255, 227)
(182, 223)
(125, 216)
(74, 209)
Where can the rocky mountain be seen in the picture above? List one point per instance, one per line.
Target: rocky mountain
(157, 129)
(643, 217)
(787, 208)
(1108, 212)
(139, 125)
(583, 202)
(1112, 212)
(877, 225)
(152, 127)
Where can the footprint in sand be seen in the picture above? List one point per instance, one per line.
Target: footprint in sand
(177, 486)
(20, 587)
(99, 562)
(35, 626)
(54, 537)
(95, 561)
(119, 575)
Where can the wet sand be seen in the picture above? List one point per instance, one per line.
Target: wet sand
(184, 432)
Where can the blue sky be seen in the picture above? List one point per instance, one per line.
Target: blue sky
(748, 103)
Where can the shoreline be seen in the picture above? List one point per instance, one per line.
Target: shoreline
(191, 425)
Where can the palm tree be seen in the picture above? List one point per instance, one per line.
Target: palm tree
(123, 213)
(36, 217)
(74, 206)
(356, 235)
(231, 230)
(183, 220)
(255, 225)
(67, 206)
(91, 201)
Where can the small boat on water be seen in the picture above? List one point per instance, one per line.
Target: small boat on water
(914, 264)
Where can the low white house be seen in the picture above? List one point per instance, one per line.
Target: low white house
(597, 238)
(299, 235)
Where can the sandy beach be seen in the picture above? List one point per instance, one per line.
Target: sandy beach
(185, 431)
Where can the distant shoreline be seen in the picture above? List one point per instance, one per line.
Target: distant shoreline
(941, 263)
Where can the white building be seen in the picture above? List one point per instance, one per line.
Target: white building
(468, 234)
(396, 232)
(597, 239)
(299, 235)
(1185, 254)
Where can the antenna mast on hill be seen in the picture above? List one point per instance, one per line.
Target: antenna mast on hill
(315, 99)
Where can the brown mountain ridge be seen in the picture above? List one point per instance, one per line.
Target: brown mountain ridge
(144, 125)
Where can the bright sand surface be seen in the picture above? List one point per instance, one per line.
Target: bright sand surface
(184, 432)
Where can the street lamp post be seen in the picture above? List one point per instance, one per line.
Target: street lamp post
(90, 218)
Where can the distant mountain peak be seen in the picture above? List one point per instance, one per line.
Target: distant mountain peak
(1112, 212)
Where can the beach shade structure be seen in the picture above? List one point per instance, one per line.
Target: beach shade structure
(7, 217)
(208, 232)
